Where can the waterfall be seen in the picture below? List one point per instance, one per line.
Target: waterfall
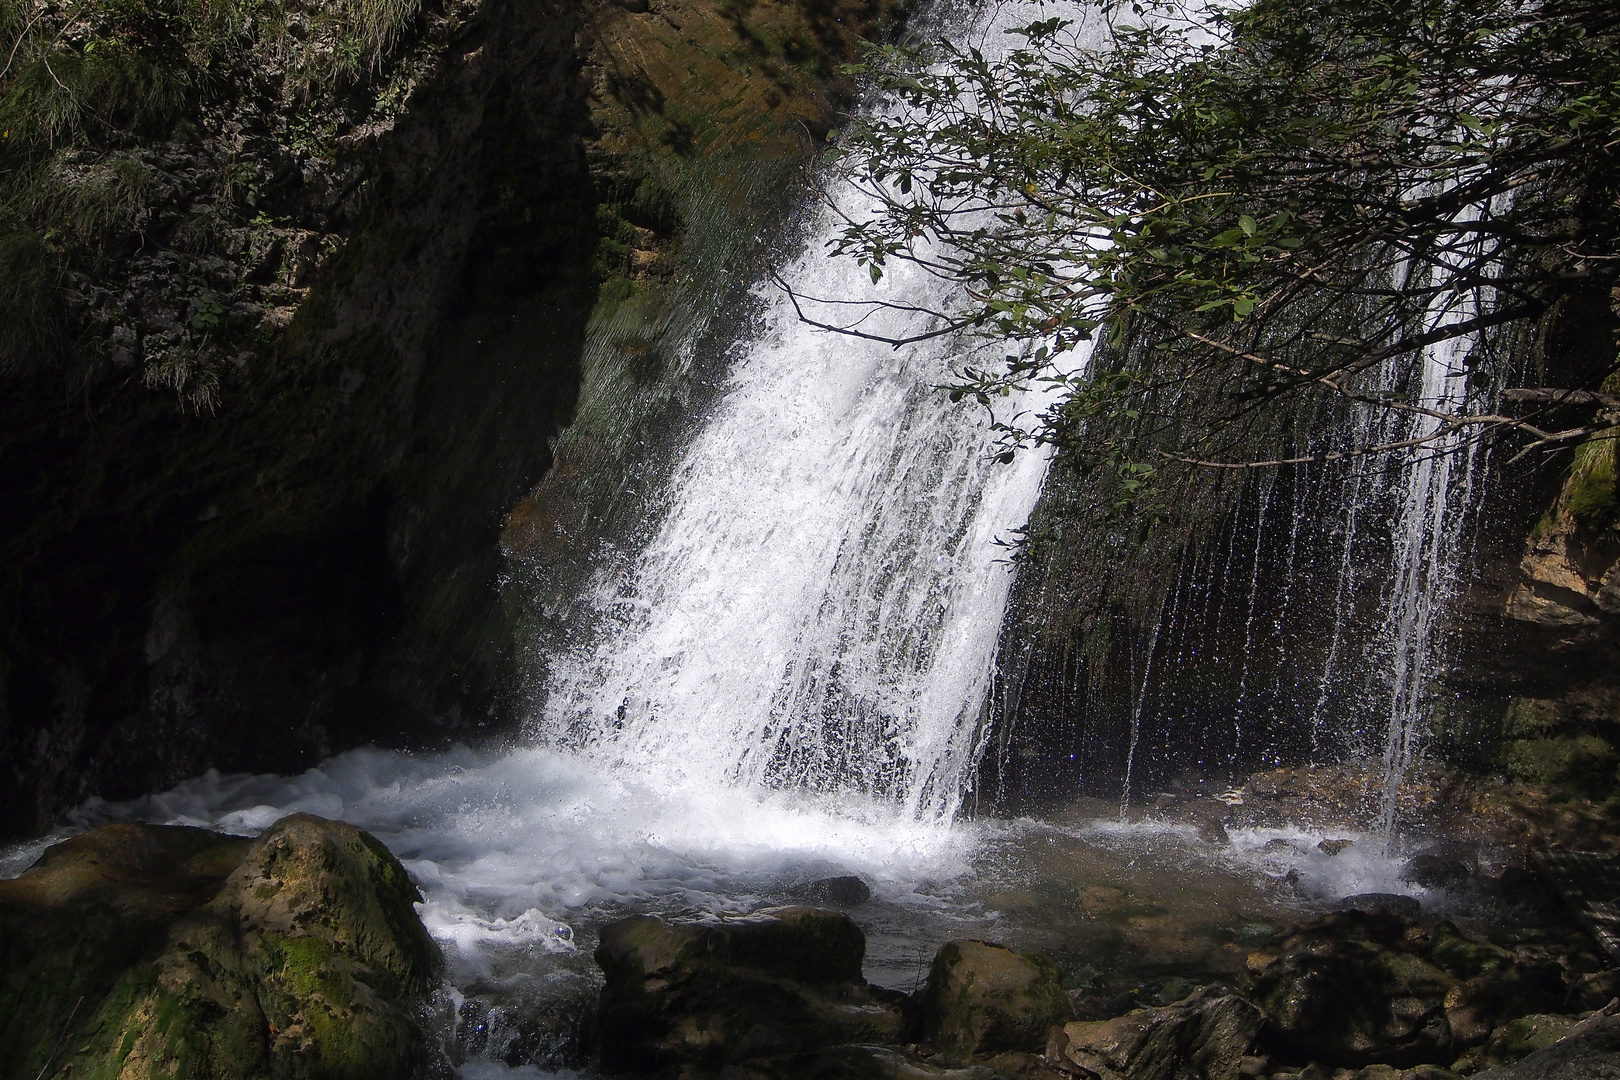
(1358, 596)
(821, 602)
(1427, 531)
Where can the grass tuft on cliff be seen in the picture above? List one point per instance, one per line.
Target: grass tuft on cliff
(165, 140)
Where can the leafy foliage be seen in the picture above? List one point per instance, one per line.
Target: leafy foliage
(1289, 196)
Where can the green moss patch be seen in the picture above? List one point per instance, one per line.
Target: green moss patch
(306, 960)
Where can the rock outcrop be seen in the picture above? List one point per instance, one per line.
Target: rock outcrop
(1591, 1051)
(311, 364)
(146, 951)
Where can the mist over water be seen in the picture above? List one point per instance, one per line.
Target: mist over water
(509, 846)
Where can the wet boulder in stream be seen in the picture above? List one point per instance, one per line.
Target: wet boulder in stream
(984, 999)
(698, 996)
(1202, 1037)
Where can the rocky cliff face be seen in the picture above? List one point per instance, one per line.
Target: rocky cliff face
(272, 410)
(1561, 729)
(1214, 630)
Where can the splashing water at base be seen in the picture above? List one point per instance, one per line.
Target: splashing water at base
(523, 855)
(507, 845)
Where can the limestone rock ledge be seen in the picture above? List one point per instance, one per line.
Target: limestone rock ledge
(141, 951)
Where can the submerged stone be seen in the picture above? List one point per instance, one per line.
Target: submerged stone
(144, 951)
(1407, 907)
(846, 891)
(1434, 870)
(984, 999)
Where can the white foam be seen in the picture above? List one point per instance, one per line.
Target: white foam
(506, 846)
(1289, 853)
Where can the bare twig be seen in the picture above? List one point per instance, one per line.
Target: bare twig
(950, 327)
(1533, 395)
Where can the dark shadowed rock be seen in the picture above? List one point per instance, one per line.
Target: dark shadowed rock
(844, 891)
(866, 1062)
(84, 913)
(1591, 1051)
(1434, 870)
(983, 999)
(1407, 907)
(1518, 1039)
(712, 993)
(1497, 986)
(1202, 1037)
(144, 951)
(1344, 990)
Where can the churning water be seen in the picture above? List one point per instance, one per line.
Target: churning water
(821, 605)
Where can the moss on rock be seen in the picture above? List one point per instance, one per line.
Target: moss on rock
(298, 956)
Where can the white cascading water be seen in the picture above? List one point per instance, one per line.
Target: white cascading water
(821, 604)
(788, 681)
(1427, 552)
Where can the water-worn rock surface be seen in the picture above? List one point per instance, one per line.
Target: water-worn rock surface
(146, 951)
(1205, 1036)
(1591, 1051)
(983, 999)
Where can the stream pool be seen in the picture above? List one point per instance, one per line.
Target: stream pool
(523, 855)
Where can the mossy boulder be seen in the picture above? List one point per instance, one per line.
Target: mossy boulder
(149, 951)
(1589, 1051)
(1497, 986)
(1579, 763)
(984, 999)
(707, 994)
(1518, 1039)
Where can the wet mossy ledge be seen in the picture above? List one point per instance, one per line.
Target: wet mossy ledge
(296, 301)
(146, 951)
